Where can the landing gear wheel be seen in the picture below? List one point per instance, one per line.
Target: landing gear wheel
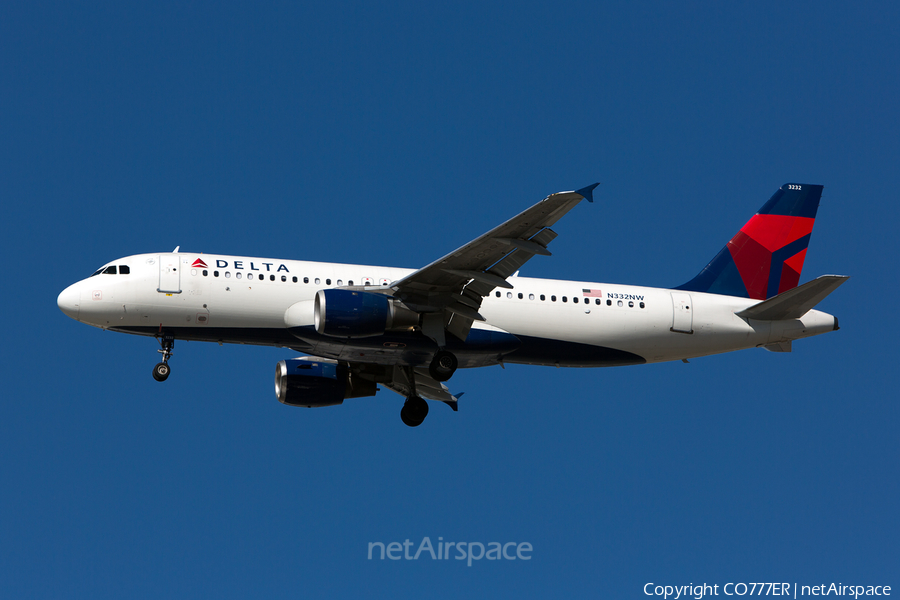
(414, 411)
(443, 366)
(161, 371)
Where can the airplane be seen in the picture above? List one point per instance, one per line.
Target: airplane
(409, 330)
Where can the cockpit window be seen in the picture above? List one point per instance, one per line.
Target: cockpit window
(111, 270)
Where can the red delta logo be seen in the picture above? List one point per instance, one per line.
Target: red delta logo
(199, 263)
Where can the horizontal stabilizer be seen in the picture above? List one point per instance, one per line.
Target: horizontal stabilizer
(796, 302)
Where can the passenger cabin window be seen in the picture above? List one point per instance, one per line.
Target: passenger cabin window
(306, 280)
(271, 278)
(327, 282)
(295, 279)
(497, 294)
(543, 297)
(284, 277)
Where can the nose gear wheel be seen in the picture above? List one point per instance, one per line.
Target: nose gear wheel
(161, 370)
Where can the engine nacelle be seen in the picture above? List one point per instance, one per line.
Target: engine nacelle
(313, 382)
(357, 314)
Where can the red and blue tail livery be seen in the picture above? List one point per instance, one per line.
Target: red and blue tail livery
(764, 258)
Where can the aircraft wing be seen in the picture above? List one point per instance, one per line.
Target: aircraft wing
(449, 290)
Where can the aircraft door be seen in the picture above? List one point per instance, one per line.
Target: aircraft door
(682, 309)
(169, 274)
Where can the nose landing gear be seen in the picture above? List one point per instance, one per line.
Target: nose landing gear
(161, 370)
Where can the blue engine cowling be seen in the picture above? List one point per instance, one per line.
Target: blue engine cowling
(357, 314)
(314, 382)
(308, 383)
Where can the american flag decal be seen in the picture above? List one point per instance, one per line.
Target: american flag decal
(592, 293)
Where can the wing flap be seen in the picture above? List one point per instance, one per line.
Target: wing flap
(426, 387)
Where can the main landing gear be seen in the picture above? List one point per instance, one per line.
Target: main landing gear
(161, 370)
(414, 411)
(443, 366)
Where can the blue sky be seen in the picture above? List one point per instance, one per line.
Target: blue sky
(390, 134)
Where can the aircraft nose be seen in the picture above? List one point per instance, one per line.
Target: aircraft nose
(69, 301)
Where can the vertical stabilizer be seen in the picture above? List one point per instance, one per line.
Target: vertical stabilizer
(766, 256)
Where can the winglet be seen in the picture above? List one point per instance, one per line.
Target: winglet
(454, 404)
(588, 192)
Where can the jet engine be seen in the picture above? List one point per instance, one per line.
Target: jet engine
(313, 382)
(357, 314)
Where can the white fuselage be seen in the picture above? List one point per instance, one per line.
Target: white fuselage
(245, 300)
